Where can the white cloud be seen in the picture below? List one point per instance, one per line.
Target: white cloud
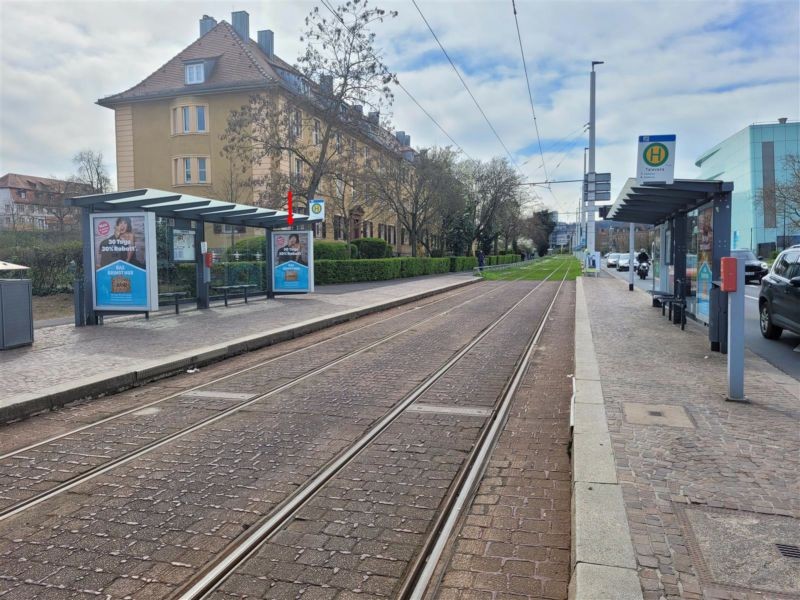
(700, 69)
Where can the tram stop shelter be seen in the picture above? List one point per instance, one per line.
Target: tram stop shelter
(141, 207)
(693, 224)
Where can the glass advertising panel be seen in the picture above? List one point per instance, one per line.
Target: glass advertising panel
(124, 261)
(292, 261)
(698, 261)
(183, 245)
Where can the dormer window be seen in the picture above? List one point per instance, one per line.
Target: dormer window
(195, 73)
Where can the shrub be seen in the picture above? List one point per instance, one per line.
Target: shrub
(437, 253)
(248, 248)
(330, 251)
(462, 263)
(344, 271)
(413, 267)
(389, 251)
(51, 268)
(371, 247)
(354, 253)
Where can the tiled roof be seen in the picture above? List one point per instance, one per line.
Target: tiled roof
(29, 182)
(237, 64)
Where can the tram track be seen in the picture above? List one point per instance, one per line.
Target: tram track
(419, 574)
(87, 475)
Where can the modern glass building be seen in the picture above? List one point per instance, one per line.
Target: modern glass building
(754, 159)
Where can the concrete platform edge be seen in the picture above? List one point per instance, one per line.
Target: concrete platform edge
(26, 405)
(603, 561)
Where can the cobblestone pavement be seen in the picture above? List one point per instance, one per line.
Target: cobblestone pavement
(26, 474)
(356, 538)
(710, 486)
(65, 353)
(143, 528)
(514, 541)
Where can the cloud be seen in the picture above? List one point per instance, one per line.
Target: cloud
(702, 70)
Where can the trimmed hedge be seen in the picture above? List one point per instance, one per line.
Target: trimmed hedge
(497, 259)
(50, 266)
(373, 248)
(330, 251)
(347, 271)
(413, 267)
(462, 263)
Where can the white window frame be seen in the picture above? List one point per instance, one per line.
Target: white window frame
(186, 119)
(194, 73)
(197, 109)
(186, 169)
(202, 171)
(315, 133)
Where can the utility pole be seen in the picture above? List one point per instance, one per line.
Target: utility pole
(592, 124)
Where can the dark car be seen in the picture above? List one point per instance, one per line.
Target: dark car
(779, 299)
(754, 269)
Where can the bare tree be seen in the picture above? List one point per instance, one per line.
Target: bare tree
(53, 203)
(91, 171)
(315, 107)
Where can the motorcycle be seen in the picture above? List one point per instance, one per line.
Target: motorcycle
(643, 269)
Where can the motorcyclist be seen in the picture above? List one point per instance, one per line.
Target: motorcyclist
(642, 257)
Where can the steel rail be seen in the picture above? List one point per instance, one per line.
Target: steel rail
(107, 466)
(125, 413)
(240, 550)
(419, 577)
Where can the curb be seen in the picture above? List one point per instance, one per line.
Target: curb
(26, 405)
(603, 562)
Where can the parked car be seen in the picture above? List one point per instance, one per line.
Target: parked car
(754, 268)
(612, 259)
(624, 263)
(779, 298)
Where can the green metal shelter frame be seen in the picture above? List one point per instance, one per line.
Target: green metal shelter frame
(184, 208)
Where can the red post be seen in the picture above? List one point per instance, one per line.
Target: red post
(290, 219)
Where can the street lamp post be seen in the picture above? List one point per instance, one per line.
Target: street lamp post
(592, 127)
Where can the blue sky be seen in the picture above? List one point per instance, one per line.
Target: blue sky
(700, 69)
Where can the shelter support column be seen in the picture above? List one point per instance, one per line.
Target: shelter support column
(268, 265)
(200, 280)
(631, 251)
(680, 284)
(718, 304)
(89, 316)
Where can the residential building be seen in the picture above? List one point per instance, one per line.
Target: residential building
(169, 128)
(32, 203)
(561, 236)
(754, 159)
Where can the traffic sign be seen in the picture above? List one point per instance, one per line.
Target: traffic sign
(597, 186)
(656, 159)
(598, 177)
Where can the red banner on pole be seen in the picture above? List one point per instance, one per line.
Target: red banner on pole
(290, 219)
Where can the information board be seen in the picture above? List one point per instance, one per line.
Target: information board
(183, 245)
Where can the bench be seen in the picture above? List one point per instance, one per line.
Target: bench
(174, 297)
(677, 300)
(237, 287)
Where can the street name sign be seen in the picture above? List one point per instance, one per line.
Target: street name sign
(656, 159)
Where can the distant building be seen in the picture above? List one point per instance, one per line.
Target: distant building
(754, 160)
(562, 235)
(31, 203)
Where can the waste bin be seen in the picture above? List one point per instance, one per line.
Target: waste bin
(16, 308)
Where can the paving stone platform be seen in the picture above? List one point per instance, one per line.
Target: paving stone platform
(67, 363)
(711, 489)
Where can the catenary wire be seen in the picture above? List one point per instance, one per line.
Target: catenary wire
(530, 92)
(409, 94)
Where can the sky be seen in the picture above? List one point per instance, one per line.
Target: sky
(700, 69)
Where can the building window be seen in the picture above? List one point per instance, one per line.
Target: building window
(315, 134)
(194, 73)
(297, 123)
(190, 170)
(381, 231)
(392, 236)
(201, 170)
(23, 194)
(403, 235)
(186, 119)
(320, 230)
(201, 118)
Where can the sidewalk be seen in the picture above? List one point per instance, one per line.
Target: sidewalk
(67, 363)
(710, 490)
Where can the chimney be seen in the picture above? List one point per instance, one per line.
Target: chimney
(241, 24)
(266, 41)
(374, 117)
(207, 24)
(782, 120)
(326, 83)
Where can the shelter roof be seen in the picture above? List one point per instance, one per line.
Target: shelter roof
(655, 203)
(184, 206)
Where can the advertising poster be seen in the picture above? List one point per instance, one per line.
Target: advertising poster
(183, 245)
(124, 261)
(292, 261)
(705, 244)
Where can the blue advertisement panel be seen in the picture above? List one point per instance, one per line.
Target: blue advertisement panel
(292, 261)
(124, 262)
